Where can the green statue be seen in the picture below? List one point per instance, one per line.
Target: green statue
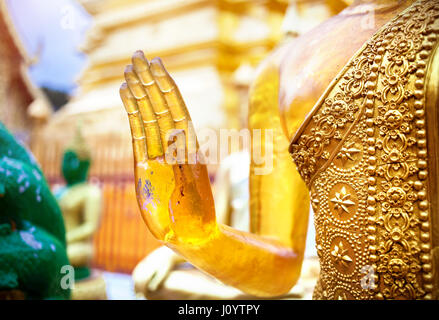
(32, 234)
(80, 203)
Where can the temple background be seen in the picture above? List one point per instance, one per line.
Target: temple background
(21, 103)
(211, 48)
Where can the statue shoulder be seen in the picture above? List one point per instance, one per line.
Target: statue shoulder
(316, 58)
(270, 64)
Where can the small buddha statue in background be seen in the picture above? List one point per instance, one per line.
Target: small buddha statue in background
(32, 235)
(80, 203)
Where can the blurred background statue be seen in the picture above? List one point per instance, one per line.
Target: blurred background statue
(32, 236)
(80, 203)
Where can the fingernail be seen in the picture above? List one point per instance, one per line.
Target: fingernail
(139, 61)
(157, 67)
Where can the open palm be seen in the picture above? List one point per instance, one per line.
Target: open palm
(172, 185)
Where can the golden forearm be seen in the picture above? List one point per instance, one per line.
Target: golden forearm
(251, 263)
(221, 251)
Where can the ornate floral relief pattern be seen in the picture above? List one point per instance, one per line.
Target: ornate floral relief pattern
(343, 294)
(364, 156)
(342, 201)
(348, 152)
(341, 255)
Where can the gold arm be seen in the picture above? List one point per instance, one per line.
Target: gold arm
(224, 252)
(253, 264)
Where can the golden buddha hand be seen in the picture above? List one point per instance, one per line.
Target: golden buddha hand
(163, 144)
(174, 194)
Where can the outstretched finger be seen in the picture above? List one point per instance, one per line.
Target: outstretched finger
(150, 122)
(136, 125)
(170, 92)
(151, 127)
(143, 77)
(176, 104)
